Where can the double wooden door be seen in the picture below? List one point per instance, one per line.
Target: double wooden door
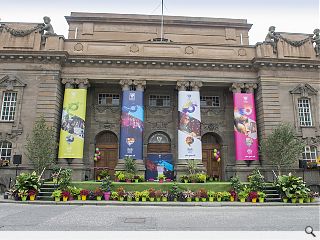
(109, 158)
(211, 164)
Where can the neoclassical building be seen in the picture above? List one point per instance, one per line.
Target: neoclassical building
(115, 88)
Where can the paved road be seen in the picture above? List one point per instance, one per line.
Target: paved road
(51, 217)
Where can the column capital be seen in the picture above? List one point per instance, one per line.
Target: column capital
(68, 82)
(140, 84)
(83, 83)
(236, 87)
(125, 83)
(182, 85)
(250, 87)
(196, 85)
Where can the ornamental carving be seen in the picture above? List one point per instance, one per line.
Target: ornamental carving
(159, 125)
(212, 127)
(134, 48)
(112, 113)
(212, 111)
(20, 33)
(10, 82)
(78, 47)
(189, 50)
(304, 89)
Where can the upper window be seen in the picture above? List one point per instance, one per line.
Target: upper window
(304, 111)
(109, 99)
(5, 150)
(8, 108)
(209, 101)
(310, 153)
(159, 101)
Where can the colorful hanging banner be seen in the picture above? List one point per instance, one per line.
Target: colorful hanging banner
(245, 127)
(131, 139)
(73, 123)
(157, 164)
(189, 132)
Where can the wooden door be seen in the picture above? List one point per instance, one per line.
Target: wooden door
(211, 164)
(109, 158)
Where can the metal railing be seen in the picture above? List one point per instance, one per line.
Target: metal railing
(275, 175)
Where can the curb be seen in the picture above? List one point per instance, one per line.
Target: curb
(162, 204)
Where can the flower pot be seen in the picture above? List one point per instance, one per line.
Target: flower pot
(129, 199)
(151, 199)
(24, 198)
(83, 197)
(231, 199)
(242, 200)
(301, 200)
(261, 200)
(307, 200)
(65, 199)
(196, 199)
(164, 199)
(99, 198)
(143, 199)
(175, 199)
(128, 180)
(189, 199)
(185, 181)
(210, 199)
(98, 178)
(168, 180)
(254, 200)
(312, 199)
(219, 199)
(161, 181)
(158, 199)
(293, 200)
(57, 199)
(137, 199)
(106, 196)
(285, 200)
(136, 180)
(79, 197)
(203, 199)
(121, 199)
(32, 197)
(55, 180)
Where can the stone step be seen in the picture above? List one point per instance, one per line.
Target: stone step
(44, 193)
(47, 189)
(44, 198)
(273, 199)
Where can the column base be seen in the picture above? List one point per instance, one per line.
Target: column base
(181, 167)
(77, 166)
(140, 165)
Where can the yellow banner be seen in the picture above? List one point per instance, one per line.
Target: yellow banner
(73, 123)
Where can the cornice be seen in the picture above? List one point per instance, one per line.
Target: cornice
(287, 64)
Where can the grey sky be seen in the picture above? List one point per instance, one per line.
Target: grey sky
(300, 16)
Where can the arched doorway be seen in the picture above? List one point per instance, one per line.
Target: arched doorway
(159, 158)
(211, 141)
(107, 142)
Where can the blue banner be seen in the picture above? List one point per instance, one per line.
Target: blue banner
(157, 164)
(131, 139)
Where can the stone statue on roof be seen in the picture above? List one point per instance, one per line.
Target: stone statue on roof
(272, 38)
(316, 40)
(47, 29)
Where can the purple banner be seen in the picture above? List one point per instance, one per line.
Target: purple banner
(131, 141)
(245, 127)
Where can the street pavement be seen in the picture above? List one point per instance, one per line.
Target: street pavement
(26, 217)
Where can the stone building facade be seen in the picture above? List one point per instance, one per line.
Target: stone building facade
(108, 53)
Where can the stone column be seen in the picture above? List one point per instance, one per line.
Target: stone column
(127, 148)
(76, 164)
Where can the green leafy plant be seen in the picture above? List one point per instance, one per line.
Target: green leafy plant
(211, 193)
(145, 194)
(65, 179)
(27, 181)
(187, 194)
(56, 193)
(130, 165)
(290, 186)
(261, 195)
(23, 193)
(282, 147)
(161, 177)
(137, 194)
(256, 181)
(41, 145)
(192, 167)
(120, 175)
(184, 178)
(114, 195)
(75, 192)
(201, 177)
(243, 194)
(106, 184)
(236, 184)
(226, 196)
(103, 174)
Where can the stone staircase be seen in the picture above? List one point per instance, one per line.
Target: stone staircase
(45, 191)
(272, 194)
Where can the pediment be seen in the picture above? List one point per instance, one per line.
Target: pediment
(304, 89)
(10, 82)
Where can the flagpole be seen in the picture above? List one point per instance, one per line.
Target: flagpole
(161, 34)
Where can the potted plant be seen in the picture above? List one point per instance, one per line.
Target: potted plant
(55, 176)
(158, 195)
(84, 193)
(121, 193)
(233, 195)
(114, 195)
(219, 196)
(120, 176)
(144, 195)
(174, 193)
(151, 180)
(116, 175)
(106, 188)
(197, 196)
(57, 195)
(226, 196)
(98, 193)
(243, 196)
(32, 194)
(161, 178)
(261, 196)
(130, 195)
(313, 196)
(129, 177)
(168, 179)
(75, 192)
(136, 178)
(152, 194)
(141, 178)
(211, 196)
(184, 178)
(164, 196)
(103, 174)
(253, 196)
(188, 194)
(203, 194)
(65, 195)
(284, 199)
(137, 196)
(23, 194)
(201, 178)
(301, 195)
(294, 199)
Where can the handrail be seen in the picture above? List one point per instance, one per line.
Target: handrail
(274, 174)
(41, 174)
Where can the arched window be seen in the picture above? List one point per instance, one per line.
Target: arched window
(310, 153)
(5, 150)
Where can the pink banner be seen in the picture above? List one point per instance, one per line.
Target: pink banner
(245, 127)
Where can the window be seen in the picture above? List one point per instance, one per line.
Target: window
(8, 108)
(5, 150)
(209, 101)
(159, 101)
(109, 99)
(310, 153)
(304, 111)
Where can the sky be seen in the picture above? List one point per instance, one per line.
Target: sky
(296, 16)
